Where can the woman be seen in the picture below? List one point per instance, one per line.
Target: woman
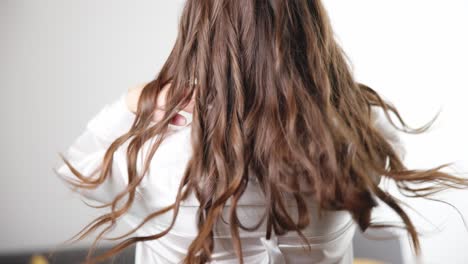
(253, 144)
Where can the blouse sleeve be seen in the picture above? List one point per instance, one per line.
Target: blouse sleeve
(390, 132)
(87, 151)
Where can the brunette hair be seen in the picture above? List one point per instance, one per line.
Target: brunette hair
(275, 100)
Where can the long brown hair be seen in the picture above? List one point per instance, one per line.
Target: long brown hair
(275, 100)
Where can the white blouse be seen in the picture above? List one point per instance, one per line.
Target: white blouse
(330, 236)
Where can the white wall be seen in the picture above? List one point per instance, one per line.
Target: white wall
(60, 60)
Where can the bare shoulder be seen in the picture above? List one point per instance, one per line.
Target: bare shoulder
(133, 94)
(137, 87)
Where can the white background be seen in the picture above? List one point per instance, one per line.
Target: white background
(62, 60)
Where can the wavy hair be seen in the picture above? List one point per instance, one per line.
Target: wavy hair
(275, 100)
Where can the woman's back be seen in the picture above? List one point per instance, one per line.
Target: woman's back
(330, 237)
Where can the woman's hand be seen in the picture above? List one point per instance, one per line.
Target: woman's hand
(132, 103)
